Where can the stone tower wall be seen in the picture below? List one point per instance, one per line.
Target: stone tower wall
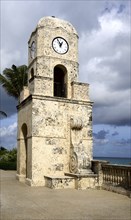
(51, 135)
(46, 58)
(54, 133)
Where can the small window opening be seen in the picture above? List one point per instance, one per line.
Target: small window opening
(59, 82)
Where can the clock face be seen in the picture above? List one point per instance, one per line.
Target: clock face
(60, 45)
(32, 50)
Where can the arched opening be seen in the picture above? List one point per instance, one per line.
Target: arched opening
(32, 73)
(25, 150)
(60, 81)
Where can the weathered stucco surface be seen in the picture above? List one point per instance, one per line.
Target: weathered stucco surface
(54, 133)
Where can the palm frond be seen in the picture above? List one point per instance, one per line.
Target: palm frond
(13, 79)
(3, 113)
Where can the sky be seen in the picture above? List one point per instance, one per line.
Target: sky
(103, 27)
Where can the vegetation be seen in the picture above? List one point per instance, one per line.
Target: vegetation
(3, 114)
(8, 158)
(13, 79)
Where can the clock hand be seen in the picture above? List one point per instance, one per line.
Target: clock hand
(59, 42)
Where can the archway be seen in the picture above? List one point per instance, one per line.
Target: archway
(32, 73)
(60, 81)
(25, 150)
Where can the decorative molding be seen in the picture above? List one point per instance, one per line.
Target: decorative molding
(76, 123)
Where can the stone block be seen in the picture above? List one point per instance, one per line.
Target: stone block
(59, 182)
(24, 93)
(80, 91)
(85, 181)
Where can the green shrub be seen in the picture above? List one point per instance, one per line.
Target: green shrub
(3, 151)
(7, 165)
(8, 158)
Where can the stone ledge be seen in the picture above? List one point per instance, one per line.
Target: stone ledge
(85, 181)
(52, 99)
(61, 99)
(77, 175)
(59, 182)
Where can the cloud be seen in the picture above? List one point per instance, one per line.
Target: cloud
(115, 133)
(100, 137)
(9, 58)
(83, 15)
(101, 134)
(117, 115)
(7, 103)
(111, 141)
(118, 144)
(105, 64)
(8, 136)
(10, 130)
(123, 142)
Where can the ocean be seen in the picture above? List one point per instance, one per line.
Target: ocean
(115, 160)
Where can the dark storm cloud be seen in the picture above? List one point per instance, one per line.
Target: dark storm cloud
(113, 115)
(7, 103)
(115, 133)
(101, 134)
(81, 14)
(100, 138)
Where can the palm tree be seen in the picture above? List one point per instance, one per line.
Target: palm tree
(13, 79)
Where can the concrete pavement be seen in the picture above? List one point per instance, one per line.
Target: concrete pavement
(22, 202)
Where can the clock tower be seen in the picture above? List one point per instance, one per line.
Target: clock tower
(53, 51)
(55, 112)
